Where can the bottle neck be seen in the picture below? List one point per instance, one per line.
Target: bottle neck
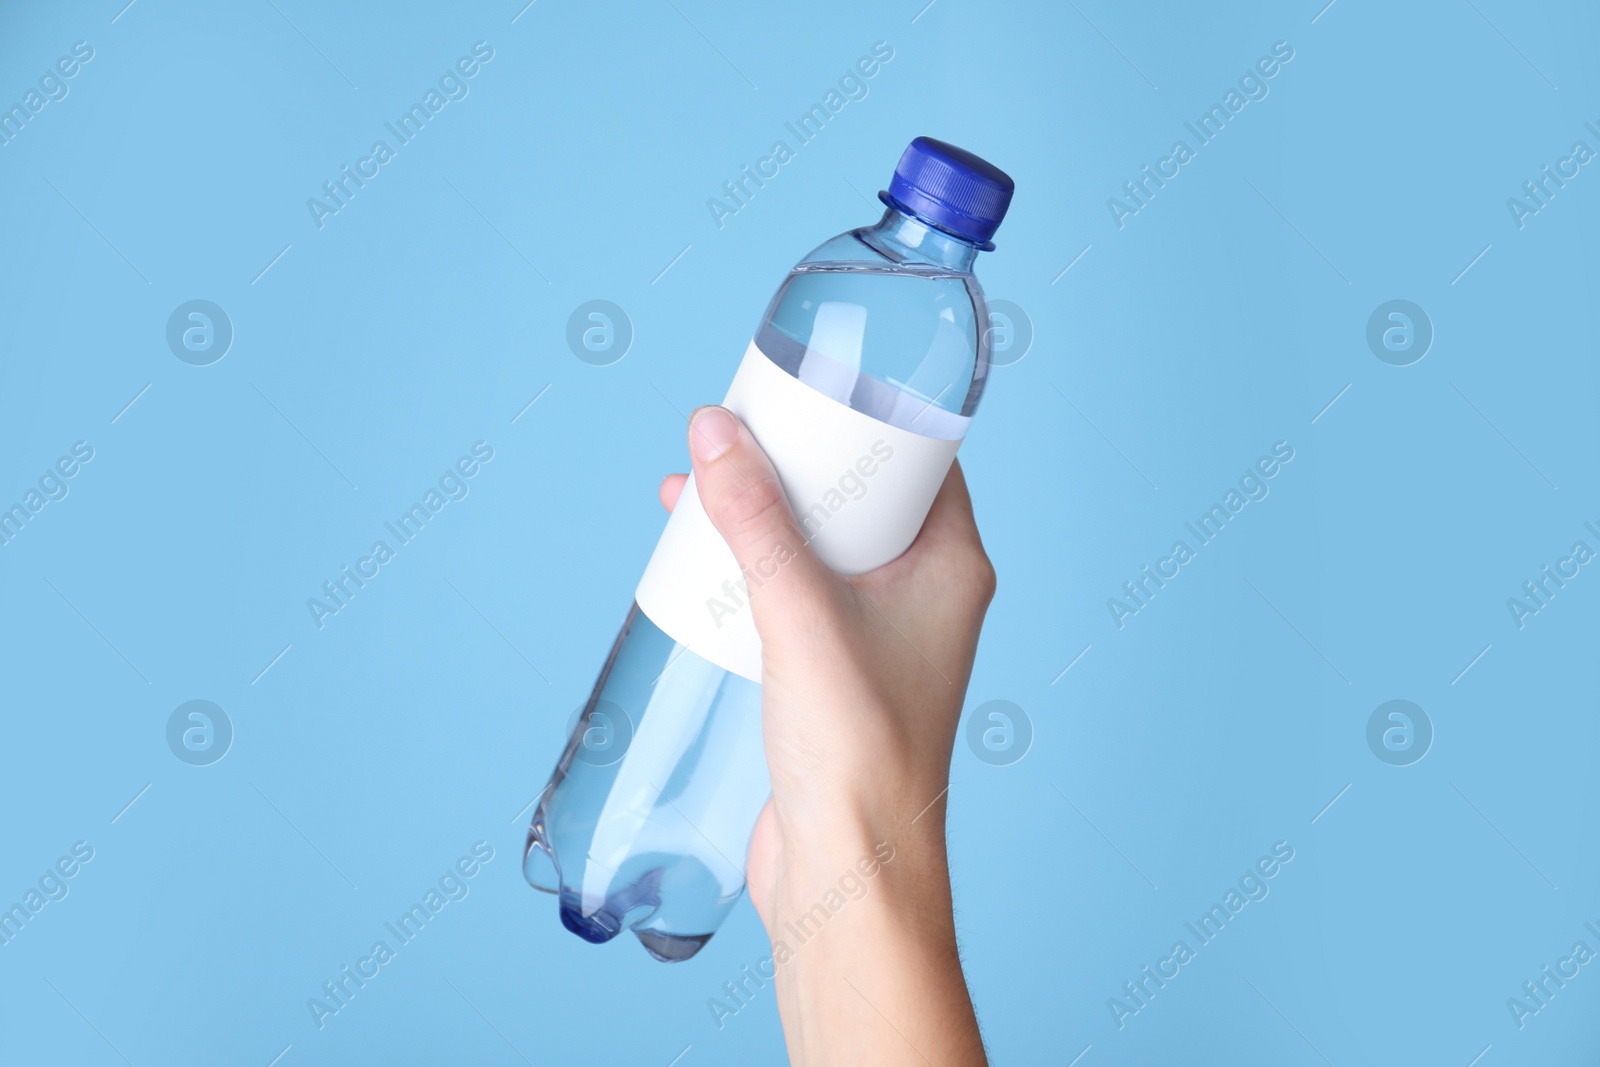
(903, 237)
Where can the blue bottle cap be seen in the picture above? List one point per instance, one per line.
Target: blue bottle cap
(951, 189)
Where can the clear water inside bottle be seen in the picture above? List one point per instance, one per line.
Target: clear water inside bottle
(646, 821)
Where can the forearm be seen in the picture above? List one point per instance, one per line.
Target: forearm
(878, 980)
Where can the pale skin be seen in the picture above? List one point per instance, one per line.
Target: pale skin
(863, 680)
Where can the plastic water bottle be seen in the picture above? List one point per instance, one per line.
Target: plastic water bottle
(860, 385)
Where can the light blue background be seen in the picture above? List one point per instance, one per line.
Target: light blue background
(1224, 317)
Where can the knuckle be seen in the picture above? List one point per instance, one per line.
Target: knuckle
(987, 580)
(984, 581)
(977, 574)
(753, 510)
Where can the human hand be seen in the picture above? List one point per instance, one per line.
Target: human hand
(863, 680)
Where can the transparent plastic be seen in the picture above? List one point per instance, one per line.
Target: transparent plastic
(646, 821)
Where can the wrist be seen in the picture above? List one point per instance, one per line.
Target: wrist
(863, 962)
(841, 818)
(903, 871)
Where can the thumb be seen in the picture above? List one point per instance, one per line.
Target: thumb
(743, 498)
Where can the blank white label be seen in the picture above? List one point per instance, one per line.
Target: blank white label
(860, 490)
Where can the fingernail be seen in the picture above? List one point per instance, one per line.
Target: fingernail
(712, 432)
